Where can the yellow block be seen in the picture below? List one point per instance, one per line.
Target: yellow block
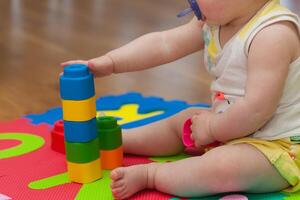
(86, 172)
(79, 111)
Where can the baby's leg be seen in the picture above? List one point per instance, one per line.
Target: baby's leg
(228, 168)
(161, 138)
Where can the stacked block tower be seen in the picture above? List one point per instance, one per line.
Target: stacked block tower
(79, 114)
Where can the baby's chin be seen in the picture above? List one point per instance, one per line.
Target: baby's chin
(213, 22)
(208, 21)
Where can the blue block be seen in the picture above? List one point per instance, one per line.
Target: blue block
(77, 83)
(80, 131)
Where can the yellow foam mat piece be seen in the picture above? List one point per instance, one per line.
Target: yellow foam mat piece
(85, 172)
(79, 111)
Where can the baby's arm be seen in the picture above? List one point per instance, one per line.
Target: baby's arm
(149, 50)
(270, 54)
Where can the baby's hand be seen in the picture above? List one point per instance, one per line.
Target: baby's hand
(101, 66)
(201, 128)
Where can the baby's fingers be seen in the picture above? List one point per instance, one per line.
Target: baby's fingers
(192, 137)
(101, 66)
(64, 64)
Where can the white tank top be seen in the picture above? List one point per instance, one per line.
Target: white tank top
(228, 66)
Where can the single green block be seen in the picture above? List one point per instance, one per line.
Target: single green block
(109, 133)
(84, 152)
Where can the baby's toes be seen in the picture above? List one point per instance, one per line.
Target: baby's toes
(116, 184)
(118, 193)
(117, 174)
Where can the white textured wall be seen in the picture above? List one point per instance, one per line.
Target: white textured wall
(294, 5)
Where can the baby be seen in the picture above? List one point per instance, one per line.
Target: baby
(252, 49)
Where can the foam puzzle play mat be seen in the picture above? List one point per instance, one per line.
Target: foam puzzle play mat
(32, 168)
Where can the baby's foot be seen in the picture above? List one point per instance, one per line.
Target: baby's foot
(126, 181)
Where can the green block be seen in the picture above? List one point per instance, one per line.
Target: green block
(109, 133)
(84, 152)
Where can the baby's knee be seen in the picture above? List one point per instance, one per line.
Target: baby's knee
(226, 174)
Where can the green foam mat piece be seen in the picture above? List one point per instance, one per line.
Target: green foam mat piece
(29, 143)
(50, 182)
(99, 189)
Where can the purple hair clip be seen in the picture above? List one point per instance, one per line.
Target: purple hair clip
(194, 7)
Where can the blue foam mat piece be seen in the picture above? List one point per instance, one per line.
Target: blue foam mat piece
(114, 102)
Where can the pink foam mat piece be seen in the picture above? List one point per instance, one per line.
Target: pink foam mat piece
(150, 195)
(8, 144)
(132, 159)
(18, 172)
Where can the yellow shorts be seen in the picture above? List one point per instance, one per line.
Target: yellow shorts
(284, 154)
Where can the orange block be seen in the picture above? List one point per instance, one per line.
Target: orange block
(112, 159)
(84, 172)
